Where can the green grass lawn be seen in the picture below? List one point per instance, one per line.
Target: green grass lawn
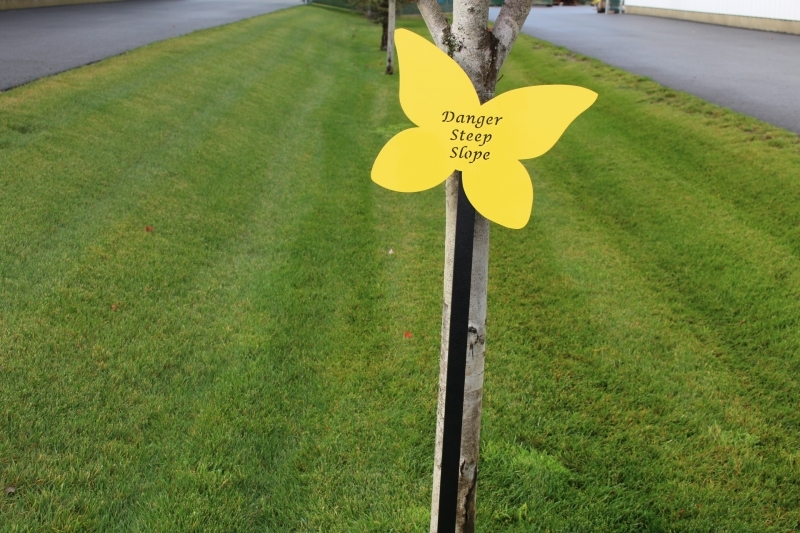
(243, 366)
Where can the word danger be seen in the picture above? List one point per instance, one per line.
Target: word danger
(478, 120)
(479, 139)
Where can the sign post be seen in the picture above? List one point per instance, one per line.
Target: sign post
(456, 362)
(483, 144)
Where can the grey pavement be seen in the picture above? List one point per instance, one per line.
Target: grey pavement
(43, 41)
(753, 72)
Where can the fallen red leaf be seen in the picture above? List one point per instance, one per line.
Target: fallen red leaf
(408, 335)
(148, 229)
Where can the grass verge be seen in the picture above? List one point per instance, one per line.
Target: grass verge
(201, 328)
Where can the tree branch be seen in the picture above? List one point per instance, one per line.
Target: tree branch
(437, 24)
(507, 27)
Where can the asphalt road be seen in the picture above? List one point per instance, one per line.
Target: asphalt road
(43, 41)
(754, 72)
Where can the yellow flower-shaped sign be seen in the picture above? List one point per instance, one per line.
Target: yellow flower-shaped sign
(485, 142)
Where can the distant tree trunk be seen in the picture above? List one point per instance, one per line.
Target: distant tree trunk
(481, 53)
(385, 24)
(390, 38)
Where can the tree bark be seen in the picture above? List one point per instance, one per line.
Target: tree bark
(390, 38)
(473, 380)
(481, 53)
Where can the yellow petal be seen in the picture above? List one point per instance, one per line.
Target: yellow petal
(413, 160)
(431, 83)
(534, 118)
(500, 191)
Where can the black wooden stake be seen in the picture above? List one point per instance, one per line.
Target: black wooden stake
(456, 362)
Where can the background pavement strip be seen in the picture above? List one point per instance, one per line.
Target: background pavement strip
(753, 72)
(43, 41)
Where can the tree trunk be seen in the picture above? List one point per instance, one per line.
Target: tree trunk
(473, 380)
(480, 53)
(390, 38)
(384, 24)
